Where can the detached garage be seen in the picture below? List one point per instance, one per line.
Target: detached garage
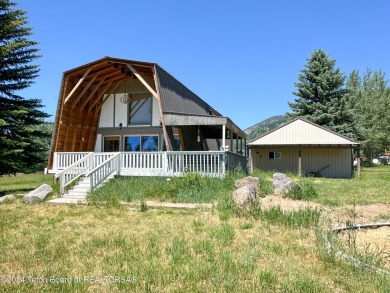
(304, 148)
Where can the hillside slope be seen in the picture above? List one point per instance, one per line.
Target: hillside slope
(264, 126)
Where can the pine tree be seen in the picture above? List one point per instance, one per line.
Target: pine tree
(22, 147)
(321, 95)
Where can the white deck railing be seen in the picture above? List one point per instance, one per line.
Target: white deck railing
(206, 163)
(66, 159)
(74, 171)
(99, 166)
(111, 166)
(143, 164)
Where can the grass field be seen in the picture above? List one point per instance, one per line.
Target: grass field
(373, 186)
(166, 251)
(23, 183)
(110, 248)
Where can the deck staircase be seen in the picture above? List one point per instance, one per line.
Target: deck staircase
(79, 191)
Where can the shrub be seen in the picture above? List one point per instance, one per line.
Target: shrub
(304, 190)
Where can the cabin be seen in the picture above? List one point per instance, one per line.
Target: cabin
(131, 118)
(305, 148)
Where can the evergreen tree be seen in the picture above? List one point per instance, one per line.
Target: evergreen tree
(321, 95)
(22, 147)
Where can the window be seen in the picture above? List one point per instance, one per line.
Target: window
(132, 144)
(144, 143)
(140, 111)
(111, 144)
(274, 155)
(149, 143)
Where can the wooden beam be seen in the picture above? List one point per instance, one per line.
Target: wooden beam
(77, 85)
(85, 89)
(92, 93)
(141, 79)
(166, 138)
(100, 96)
(108, 95)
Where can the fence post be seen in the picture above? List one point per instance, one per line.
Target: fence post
(165, 162)
(119, 164)
(91, 163)
(224, 159)
(55, 162)
(62, 183)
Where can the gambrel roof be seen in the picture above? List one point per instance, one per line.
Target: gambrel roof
(300, 132)
(84, 90)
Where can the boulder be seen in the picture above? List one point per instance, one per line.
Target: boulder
(249, 181)
(7, 197)
(244, 195)
(282, 184)
(38, 194)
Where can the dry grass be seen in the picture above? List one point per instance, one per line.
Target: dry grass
(165, 251)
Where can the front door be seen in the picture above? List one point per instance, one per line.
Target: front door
(111, 143)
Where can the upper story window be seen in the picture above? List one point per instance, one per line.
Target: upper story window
(140, 111)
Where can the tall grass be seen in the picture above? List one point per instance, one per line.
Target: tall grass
(191, 187)
(164, 251)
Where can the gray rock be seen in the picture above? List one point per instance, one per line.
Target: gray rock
(7, 197)
(38, 194)
(244, 195)
(249, 181)
(282, 184)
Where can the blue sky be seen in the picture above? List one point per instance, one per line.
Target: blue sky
(242, 57)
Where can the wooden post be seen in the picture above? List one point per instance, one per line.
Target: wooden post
(358, 161)
(299, 161)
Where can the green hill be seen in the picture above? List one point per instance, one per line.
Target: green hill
(264, 126)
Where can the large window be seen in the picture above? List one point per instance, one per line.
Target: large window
(144, 143)
(140, 111)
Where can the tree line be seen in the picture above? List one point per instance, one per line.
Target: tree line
(356, 106)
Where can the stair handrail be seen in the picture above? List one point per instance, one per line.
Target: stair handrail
(74, 171)
(104, 170)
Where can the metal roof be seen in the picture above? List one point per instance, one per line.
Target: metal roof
(177, 98)
(302, 132)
